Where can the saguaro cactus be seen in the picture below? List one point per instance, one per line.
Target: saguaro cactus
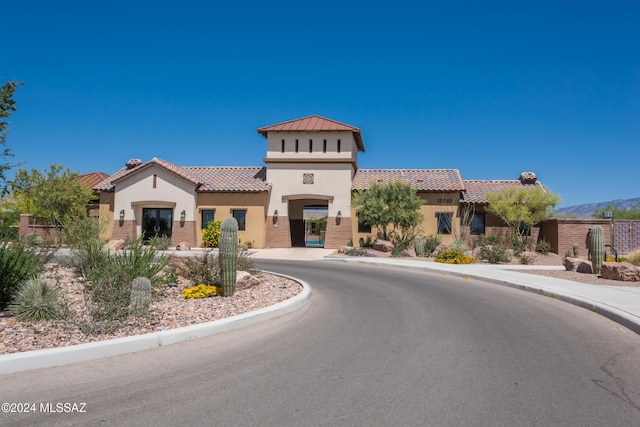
(597, 248)
(418, 246)
(140, 296)
(228, 255)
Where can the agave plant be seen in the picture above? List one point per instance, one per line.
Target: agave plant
(38, 299)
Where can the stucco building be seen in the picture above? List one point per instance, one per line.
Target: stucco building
(311, 165)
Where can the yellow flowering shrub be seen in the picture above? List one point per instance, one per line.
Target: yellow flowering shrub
(454, 256)
(201, 291)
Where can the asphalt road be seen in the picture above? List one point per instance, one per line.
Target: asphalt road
(377, 346)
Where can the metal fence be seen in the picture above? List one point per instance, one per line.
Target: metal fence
(626, 235)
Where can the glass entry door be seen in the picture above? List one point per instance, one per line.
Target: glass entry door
(156, 222)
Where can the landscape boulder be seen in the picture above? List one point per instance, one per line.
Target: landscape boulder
(345, 249)
(383, 245)
(245, 280)
(441, 247)
(115, 245)
(183, 246)
(577, 264)
(623, 271)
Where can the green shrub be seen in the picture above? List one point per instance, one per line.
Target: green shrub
(543, 247)
(491, 240)
(634, 257)
(567, 254)
(17, 264)
(203, 268)
(359, 252)
(109, 277)
(160, 243)
(459, 245)
(431, 243)
(495, 254)
(38, 299)
(246, 263)
(453, 256)
(518, 246)
(211, 234)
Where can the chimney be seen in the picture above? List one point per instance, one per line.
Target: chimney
(132, 163)
(528, 178)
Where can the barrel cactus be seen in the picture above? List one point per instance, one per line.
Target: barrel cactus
(228, 255)
(140, 296)
(418, 246)
(596, 248)
(576, 250)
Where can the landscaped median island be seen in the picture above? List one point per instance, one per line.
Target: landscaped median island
(167, 311)
(88, 316)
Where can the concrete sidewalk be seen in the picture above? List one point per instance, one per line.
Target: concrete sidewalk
(618, 303)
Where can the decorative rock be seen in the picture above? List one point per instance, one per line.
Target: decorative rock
(383, 245)
(183, 246)
(345, 249)
(441, 247)
(623, 271)
(577, 264)
(115, 245)
(244, 280)
(477, 251)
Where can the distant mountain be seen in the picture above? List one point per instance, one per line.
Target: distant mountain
(584, 211)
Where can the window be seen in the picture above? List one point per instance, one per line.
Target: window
(524, 229)
(282, 146)
(324, 146)
(208, 216)
(363, 228)
(444, 223)
(339, 146)
(311, 145)
(297, 145)
(477, 225)
(241, 216)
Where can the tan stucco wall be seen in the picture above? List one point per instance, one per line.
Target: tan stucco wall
(223, 203)
(106, 214)
(348, 147)
(137, 191)
(434, 203)
(329, 180)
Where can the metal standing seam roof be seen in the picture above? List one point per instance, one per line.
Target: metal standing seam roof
(208, 178)
(314, 123)
(477, 190)
(421, 179)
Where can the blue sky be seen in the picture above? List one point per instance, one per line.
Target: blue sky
(490, 88)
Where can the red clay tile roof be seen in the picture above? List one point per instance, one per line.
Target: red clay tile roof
(477, 190)
(314, 123)
(90, 180)
(421, 179)
(208, 178)
(229, 178)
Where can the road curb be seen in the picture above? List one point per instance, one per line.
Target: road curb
(614, 314)
(48, 358)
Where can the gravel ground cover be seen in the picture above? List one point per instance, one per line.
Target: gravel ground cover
(168, 311)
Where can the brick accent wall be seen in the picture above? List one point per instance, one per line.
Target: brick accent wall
(562, 233)
(184, 231)
(278, 233)
(123, 230)
(28, 227)
(338, 234)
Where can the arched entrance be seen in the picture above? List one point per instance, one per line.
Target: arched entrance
(308, 221)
